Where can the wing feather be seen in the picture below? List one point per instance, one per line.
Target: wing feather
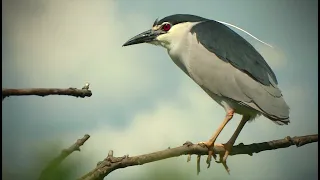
(231, 47)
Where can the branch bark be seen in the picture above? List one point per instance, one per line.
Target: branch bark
(111, 163)
(46, 172)
(46, 91)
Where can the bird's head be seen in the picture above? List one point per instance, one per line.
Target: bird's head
(164, 32)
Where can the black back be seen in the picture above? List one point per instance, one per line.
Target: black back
(231, 47)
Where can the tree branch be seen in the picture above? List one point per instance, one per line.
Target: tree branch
(46, 172)
(111, 163)
(45, 92)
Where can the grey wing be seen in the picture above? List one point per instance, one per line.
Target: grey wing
(267, 99)
(231, 47)
(223, 78)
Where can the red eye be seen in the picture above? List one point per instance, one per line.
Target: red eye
(166, 27)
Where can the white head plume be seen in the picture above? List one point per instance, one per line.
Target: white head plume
(228, 24)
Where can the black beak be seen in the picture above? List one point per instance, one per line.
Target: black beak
(144, 37)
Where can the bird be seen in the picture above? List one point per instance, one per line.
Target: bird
(225, 65)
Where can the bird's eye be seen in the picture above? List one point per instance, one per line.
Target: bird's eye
(166, 27)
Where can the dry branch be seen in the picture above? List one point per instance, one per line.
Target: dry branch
(46, 172)
(111, 163)
(46, 91)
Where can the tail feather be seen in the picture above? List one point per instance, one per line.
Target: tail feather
(278, 121)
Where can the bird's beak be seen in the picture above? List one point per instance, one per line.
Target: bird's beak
(144, 37)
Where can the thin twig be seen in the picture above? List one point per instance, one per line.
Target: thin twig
(46, 91)
(64, 153)
(111, 163)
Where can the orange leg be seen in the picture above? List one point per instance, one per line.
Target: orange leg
(228, 146)
(211, 141)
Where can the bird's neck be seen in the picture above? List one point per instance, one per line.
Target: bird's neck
(178, 52)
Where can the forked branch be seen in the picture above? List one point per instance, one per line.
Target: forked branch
(112, 163)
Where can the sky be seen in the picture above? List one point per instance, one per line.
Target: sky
(142, 102)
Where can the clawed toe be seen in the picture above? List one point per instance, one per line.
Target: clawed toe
(211, 152)
(224, 156)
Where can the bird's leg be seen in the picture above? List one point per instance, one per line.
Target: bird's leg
(228, 146)
(211, 141)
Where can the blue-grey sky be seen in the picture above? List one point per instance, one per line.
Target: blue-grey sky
(141, 101)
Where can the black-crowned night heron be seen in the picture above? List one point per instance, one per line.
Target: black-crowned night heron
(224, 65)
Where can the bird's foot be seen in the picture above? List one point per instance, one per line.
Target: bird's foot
(223, 156)
(211, 152)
